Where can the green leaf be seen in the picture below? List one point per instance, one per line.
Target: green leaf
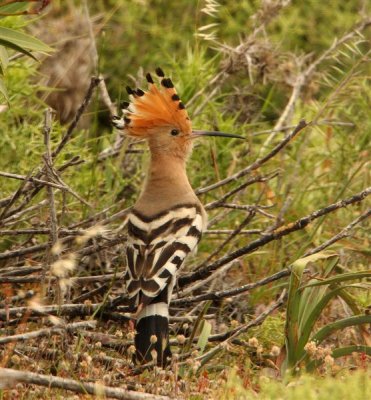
(4, 60)
(311, 297)
(23, 40)
(296, 306)
(195, 329)
(292, 313)
(303, 262)
(196, 326)
(313, 317)
(17, 48)
(204, 335)
(3, 90)
(14, 8)
(340, 278)
(327, 330)
(344, 351)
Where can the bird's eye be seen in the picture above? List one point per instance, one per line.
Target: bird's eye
(174, 132)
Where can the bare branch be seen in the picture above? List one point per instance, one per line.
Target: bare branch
(258, 163)
(231, 292)
(49, 167)
(244, 185)
(9, 377)
(232, 334)
(83, 252)
(30, 179)
(225, 232)
(278, 233)
(56, 330)
(93, 84)
(65, 309)
(341, 235)
(234, 233)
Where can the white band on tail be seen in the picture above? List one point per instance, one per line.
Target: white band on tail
(161, 309)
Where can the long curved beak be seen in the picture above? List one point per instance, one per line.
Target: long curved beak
(196, 134)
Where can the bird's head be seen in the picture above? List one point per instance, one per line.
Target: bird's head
(159, 116)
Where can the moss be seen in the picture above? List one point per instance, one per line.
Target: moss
(270, 332)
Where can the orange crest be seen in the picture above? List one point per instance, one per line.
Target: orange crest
(157, 107)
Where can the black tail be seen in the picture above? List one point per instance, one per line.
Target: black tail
(152, 329)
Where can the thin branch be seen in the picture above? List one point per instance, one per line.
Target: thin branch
(30, 179)
(197, 285)
(76, 280)
(24, 251)
(346, 232)
(35, 181)
(49, 167)
(8, 202)
(222, 232)
(19, 271)
(244, 185)
(231, 292)
(68, 189)
(55, 330)
(258, 163)
(95, 248)
(249, 208)
(93, 84)
(325, 122)
(234, 233)
(65, 309)
(39, 231)
(106, 97)
(232, 334)
(278, 233)
(10, 377)
(12, 216)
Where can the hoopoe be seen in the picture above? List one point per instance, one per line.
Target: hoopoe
(167, 221)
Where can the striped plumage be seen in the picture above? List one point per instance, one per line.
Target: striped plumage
(157, 247)
(167, 221)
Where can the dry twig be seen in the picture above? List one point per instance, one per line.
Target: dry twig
(9, 377)
(56, 330)
(278, 233)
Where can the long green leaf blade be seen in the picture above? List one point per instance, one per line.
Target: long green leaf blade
(204, 335)
(23, 40)
(311, 297)
(327, 330)
(313, 317)
(340, 278)
(295, 306)
(17, 48)
(14, 8)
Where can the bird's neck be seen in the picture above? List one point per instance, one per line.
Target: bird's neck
(167, 185)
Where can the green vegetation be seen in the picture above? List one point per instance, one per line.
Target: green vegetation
(255, 68)
(354, 386)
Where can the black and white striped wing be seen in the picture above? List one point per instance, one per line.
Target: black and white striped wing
(157, 247)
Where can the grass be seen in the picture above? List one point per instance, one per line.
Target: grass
(355, 385)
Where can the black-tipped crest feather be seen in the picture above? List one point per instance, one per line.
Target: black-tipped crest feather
(149, 78)
(160, 72)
